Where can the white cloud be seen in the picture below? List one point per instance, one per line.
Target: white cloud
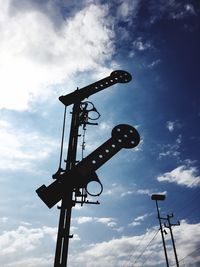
(50, 231)
(21, 149)
(23, 223)
(115, 189)
(44, 261)
(190, 9)
(185, 11)
(3, 219)
(182, 175)
(20, 239)
(106, 253)
(134, 223)
(137, 221)
(171, 150)
(109, 222)
(34, 54)
(105, 126)
(147, 192)
(84, 219)
(124, 191)
(24, 247)
(141, 45)
(172, 125)
(127, 9)
(186, 238)
(144, 192)
(127, 250)
(171, 9)
(141, 218)
(154, 63)
(27, 246)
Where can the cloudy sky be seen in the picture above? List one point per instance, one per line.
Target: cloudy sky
(49, 48)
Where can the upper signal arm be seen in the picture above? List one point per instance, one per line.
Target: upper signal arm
(118, 76)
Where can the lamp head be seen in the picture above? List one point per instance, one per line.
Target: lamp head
(158, 197)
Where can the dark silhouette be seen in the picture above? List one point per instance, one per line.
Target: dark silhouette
(117, 76)
(71, 185)
(123, 136)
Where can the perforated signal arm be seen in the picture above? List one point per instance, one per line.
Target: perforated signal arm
(117, 76)
(123, 136)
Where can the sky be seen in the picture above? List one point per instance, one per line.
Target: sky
(49, 48)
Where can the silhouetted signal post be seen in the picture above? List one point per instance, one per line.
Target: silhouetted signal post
(71, 184)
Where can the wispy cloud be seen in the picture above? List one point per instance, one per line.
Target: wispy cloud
(109, 222)
(182, 175)
(170, 9)
(138, 191)
(139, 45)
(137, 221)
(172, 125)
(84, 219)
(127, 9)
(124, 191)
(23, 148)
(171, 150)
(154, 63)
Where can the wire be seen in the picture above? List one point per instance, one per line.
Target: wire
(140, 245)
(147, 246)
(129, 260)
(63, 134)
(186, 256)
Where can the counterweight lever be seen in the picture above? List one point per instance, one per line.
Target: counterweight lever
(117, 76)
(123, 136)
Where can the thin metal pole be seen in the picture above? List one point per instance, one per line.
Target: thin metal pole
(62, 245)
(161, 230)
(63, 136)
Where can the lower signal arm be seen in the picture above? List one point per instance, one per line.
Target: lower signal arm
(123, 136)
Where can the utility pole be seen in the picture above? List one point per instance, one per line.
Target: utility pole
(171, 233)
(158, 197)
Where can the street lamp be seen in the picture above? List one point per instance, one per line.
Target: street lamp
(159, 197)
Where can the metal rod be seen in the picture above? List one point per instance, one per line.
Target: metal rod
(63, 135)
(62, 245)
(161, 230)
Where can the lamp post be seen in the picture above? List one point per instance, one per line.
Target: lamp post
(159, 197)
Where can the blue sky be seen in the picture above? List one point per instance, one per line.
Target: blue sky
(48, 49)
